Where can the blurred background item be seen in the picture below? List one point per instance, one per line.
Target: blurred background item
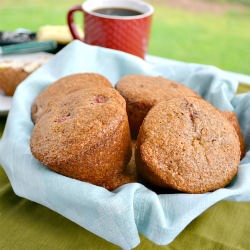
(214, 32)
(28, 47)
(18, 36)
(15, 68)
(59, 33)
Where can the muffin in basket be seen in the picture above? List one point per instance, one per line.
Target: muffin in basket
(86, 134)
(232, 118)
(64, 86)
(143, 92)
(187, 145)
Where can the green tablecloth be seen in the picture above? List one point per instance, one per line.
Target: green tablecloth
(25, 225)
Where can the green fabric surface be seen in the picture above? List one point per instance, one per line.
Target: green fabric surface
(25, 225)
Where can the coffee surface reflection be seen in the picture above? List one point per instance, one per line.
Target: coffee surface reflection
(117, 12)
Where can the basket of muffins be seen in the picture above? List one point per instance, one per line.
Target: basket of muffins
(147, 129)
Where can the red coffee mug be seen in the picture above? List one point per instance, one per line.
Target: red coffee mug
(117, 24)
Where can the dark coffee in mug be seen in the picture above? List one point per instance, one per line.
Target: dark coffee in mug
(117, 12)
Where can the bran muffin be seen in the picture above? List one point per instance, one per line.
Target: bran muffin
(10, 79)
(143, 92)
(232, 118)
(14, 71)
(86, 136)
(186, 144)
(54, 92)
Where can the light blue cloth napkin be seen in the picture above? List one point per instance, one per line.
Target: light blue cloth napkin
(120, 215)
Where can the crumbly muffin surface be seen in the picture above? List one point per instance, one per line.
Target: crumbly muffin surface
(64, 86)
(187, 145)
(149, 89)
(143, 92)
(85, 135)
(232, 118)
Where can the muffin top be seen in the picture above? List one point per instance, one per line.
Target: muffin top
(150, 90)
(187, 144)
(76, 124)
(66, 85)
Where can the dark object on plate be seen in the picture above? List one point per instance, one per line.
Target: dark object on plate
(13, 37)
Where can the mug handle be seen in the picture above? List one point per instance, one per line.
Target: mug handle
(71, 23)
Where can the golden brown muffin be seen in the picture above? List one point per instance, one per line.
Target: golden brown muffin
(45, 101)
(143, 92)
(85, 136)
(14, 71)
(232, 118)
(187, 145)
(10, 78)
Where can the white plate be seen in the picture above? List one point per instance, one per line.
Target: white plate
(5, 103)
